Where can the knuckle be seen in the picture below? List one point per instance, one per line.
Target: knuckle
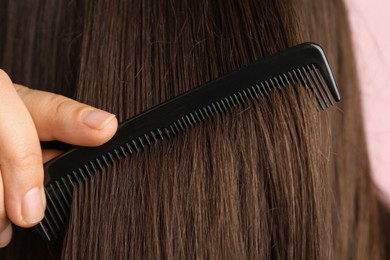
(60, 104)
(26, 160)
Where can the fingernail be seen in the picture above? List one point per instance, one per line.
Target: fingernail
(98, 119)
(6, 235)
(33, 206)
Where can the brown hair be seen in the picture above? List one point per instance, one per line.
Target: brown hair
(271, 179)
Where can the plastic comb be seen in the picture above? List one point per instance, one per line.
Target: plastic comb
(305, 64)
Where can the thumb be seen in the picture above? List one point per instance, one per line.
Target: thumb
(60, 118)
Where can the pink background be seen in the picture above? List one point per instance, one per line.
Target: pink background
(370, 22)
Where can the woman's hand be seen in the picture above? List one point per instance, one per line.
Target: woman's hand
(26, 117)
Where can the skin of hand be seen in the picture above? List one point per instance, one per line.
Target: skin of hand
(27, 117)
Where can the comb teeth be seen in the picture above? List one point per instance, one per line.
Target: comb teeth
(58, 200)
(59, 193)
(67, 170)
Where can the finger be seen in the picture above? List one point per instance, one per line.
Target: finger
(6, 235)
(5, 225)
(60, 118)
(50, 154)
(20, 159)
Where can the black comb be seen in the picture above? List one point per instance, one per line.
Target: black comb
(305, 64)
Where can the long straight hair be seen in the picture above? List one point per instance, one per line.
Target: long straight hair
(273, 179)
